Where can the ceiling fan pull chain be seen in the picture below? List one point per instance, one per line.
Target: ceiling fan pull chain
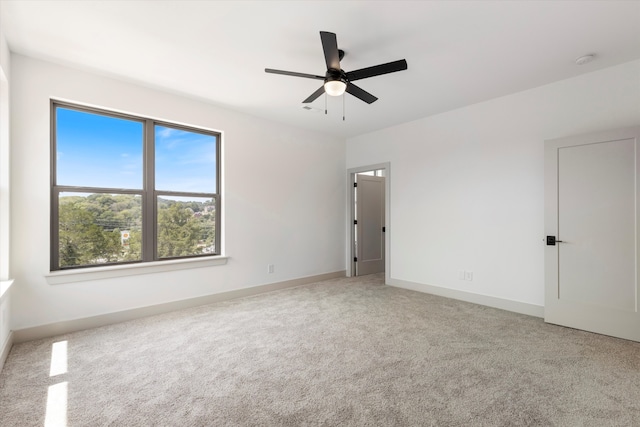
(325, 103)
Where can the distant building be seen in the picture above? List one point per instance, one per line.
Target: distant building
(124, 237)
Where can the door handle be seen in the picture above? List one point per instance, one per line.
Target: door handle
(551, 241)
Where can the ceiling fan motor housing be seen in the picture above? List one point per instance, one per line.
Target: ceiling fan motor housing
(333, 74)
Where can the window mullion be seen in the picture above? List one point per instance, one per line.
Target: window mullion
(55, 232)
(149, 214)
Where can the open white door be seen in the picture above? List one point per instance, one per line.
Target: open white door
(591, 211)
(370, 224)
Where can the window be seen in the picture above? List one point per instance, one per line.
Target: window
(128, 189)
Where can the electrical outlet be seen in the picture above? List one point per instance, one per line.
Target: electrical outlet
(462, 275)
(270, 268)
(468, 275)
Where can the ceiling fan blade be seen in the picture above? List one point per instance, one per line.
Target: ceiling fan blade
(314, 95)
(294, 74)
(377, 70)
(330, 47)
(360, 93)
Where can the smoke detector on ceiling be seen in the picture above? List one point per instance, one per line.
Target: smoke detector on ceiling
(585, 59)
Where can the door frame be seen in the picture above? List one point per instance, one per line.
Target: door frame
(351, 179)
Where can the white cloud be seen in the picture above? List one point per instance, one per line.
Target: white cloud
(164, 133)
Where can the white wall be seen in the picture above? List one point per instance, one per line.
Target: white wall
(4, 158)
(5, 283)
(284, 195)
(467, 185)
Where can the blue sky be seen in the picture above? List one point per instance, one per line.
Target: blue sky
(102, 151)
(185, 161)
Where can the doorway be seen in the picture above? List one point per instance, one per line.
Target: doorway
(592, 189)
(368, 231)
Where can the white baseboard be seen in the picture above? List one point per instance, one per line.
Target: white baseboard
(495, 302)
(65, 327)
(6, 348)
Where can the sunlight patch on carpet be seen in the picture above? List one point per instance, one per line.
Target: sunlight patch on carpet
(58, 358)
(56, 415)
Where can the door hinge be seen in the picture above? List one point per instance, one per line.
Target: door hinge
(355, 259)
(355, 184)
(383, 229)
(355, 222)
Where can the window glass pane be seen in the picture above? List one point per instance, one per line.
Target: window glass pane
(93, 150)
(186, 226)
(99, 228)
(185, 161)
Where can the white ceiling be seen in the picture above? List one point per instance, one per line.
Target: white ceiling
(458, 52)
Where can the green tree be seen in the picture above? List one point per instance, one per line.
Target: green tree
(90, 228)
(81, 241)
(178, 232)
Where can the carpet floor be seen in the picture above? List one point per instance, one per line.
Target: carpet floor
(343, 352)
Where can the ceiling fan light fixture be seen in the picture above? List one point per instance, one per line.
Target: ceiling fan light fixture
(335, 87)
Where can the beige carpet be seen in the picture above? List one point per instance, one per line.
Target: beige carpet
(337, 353)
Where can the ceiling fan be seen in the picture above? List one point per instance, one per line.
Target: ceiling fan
(336, 80)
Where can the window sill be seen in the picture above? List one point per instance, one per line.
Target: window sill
(4, 287)
(97, 273)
